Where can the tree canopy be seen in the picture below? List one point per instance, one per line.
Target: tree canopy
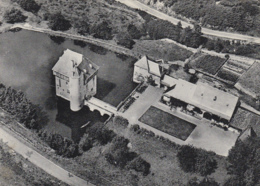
(58, 22)
(14, 16)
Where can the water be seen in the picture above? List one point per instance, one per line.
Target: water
(26, 60)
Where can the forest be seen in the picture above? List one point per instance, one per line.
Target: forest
(230, 15)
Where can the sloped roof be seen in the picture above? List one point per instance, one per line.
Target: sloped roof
(169, 81)
(64, 65)
(72, 64)
(205, 97)
(153, 67)
(249, 132)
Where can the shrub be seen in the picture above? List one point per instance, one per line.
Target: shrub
(14, 16)
(187, 158)
(140, 165)
(58, 22)
(135, 128)
(102, 31)
(119, 120)
(134, 32)
(29, 5)
(82, 26)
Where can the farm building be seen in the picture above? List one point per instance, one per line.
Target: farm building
(203, 99)
(146, 68)
(75, 78)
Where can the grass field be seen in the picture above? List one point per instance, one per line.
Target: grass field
(161, 50)
(208, 63)
(228, 75)
(251, 79)
(167, 123)
(242, 119)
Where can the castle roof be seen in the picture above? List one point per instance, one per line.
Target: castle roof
(73, 64)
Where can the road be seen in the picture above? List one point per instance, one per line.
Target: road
(40, 161)
(138, 5)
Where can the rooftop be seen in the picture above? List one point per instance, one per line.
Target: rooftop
(148, 64)
(205, 97)
(71, 63)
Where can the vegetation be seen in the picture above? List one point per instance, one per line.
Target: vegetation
(14, 16)
(16, 103)
(125, 40)
(28, 5)
(228, 15)
(205, 182)
(196, 160)
(242, 160)
(167, 123)
(228, 75)
(208, 63)
(250, 79)
(119, 120)
(16, 169)
(102, 30)
(58, 22)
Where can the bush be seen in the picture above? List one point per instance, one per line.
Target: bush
(14, 16)
(135, 128)
(58, 22)
(29, 5)
(187, 158)
(82, 26)
(134, 32)
(102, 31)
(140, 165)
(119, 120)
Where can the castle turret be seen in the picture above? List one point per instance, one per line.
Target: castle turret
(76, 89)
(75, 78)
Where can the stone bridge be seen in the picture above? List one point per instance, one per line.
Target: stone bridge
(101, 106)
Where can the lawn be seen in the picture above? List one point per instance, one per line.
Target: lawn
(228, 75)
(242, 119)
(161, 50)
(207, 63)
(250, 79)
(167, 123)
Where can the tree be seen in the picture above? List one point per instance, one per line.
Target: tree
(58, 22)
(140, 165)
(14, 16)
(125, 40)
(244, 160)
(205, 163)
(82, 26)
(102, 30)
(29, 5)
(187, 158)
(134, 32)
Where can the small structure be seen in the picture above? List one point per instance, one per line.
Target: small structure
(212, 103)
(147, 69)
(248, 132)
(75, 78)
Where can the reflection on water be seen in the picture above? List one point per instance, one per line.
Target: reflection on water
(26, 60)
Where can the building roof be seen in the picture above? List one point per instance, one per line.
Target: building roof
(169, 81)
(153, 67)
(72, 64)
(205, 97)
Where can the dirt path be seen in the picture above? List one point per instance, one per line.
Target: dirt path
(206, 31)
(40, 161)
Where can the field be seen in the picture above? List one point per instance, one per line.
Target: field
(242, 119)
(93, 12)
(167, 123)
(228, 75)
(16, 170)
(207, 63)
(161, 50)
(251, 79)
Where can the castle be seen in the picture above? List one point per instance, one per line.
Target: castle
(75, 78)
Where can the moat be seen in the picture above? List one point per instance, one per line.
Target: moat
(26, 60)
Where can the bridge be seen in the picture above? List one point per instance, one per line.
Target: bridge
(101, 106)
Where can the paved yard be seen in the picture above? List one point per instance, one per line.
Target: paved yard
(203, 136)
